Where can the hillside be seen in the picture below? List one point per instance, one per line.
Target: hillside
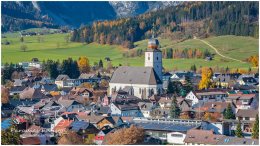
(55, 47)
(184, 21)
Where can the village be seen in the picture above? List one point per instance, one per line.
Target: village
(175, 107)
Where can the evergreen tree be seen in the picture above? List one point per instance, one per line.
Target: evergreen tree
(228, 114)
(255, 133)
(175, 110)
(10, 136)
(100, 64)
(193, 68)
(239, 132)
(170, 88)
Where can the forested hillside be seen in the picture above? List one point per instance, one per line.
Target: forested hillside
(189, 19)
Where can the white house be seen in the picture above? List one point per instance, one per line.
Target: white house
(202, 97)
(144, 81)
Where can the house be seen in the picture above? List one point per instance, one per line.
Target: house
(204, 96)
(87, 130)
(90, 78)
(246, 80)
(93, 119)
(167, 76)
(104, 111)
(222, 80)
(125, 109)
(143, 81)
(228, 140)
(78, 91)
(47, 88)
(165, 102)
(146, 108)
(16, 90)
(246, 114)
(101, 134)
(31, 93)
(170, 131)
(216, 107)
(65, 81)
(111, 121)
(243, 101)
(181, 76)
(201, 137)
(71, 105)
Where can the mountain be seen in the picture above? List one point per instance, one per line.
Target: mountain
(18, 15)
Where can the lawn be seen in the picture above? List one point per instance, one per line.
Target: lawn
(54, 46)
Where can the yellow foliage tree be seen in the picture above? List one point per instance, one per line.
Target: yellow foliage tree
(83, 64)
(125, 136)
(206, 75)
(254, 60)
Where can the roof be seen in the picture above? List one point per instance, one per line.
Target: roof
(62, 125)
(135, 75)
(31, 141)
(91, 119)
(209, 93)
(247, 113)
(86, 76)
(62, 77)
(241, 96)
(31, 93)
(165, 126)
(201, 137)
(127, 106)
(215, 106)
(228, 140)
(79, 125)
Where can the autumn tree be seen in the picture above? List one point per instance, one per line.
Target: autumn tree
(184, 116)
(255, 133)
(238, 131)
(206, 76)
(126, 136)
(4, 95)
(83, 64)
(175, 110)
(85, 85)
(228, 113)
(254, 60)
(104, 83)
(70, 138)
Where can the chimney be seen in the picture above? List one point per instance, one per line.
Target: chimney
(212, 105)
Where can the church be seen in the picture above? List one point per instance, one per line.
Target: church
(141, 82)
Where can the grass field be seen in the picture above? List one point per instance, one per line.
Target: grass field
(54, 46)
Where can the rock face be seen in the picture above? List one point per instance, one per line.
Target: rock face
(23, 15)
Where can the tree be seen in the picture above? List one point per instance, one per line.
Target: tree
(184, 116)
(206, 76)
(100, 64)
(170, 88)
(255, 133)
(104, 83)
(228, 113)
(23, 47)
(70, 68)
(193, 68)
(86, 85)
(175, 110)
(125, 136)
(10, 136)
(83, 64)
(4, 95)
(238, 131)
(70, 138)
(22, 39)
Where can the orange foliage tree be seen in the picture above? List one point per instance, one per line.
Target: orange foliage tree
(83, 64)
(70, 138)
(254, 60)
(125, 136)
(4, 95)
(206, 75)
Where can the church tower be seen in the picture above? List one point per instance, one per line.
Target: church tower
(153, 56)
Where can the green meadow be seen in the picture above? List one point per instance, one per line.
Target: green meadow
(55, 46)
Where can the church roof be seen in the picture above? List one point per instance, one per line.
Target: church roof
(135, 75)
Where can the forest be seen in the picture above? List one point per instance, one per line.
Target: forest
(200, 19)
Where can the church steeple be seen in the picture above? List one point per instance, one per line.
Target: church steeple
(153, 56)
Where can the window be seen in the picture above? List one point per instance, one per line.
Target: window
(176, 135)
(157, 58)
(246, 118)
(148, 58)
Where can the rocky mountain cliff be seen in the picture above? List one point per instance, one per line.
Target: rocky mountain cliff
(22, 15)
